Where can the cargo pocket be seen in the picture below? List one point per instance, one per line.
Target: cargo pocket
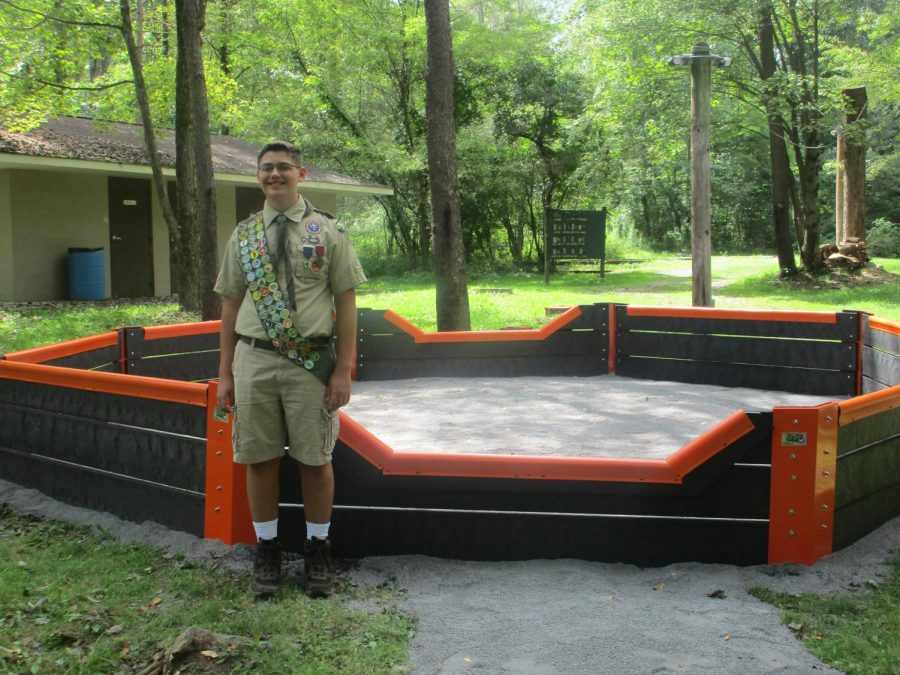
(329, 430)
(234, 431)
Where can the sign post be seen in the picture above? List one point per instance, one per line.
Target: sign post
(574, 234)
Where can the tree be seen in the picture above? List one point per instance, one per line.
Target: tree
(193, 276)
(194, 170)
(449, 256)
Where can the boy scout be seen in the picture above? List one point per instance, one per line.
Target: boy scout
(288, 275)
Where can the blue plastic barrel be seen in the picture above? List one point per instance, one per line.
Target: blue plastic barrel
(87, 274)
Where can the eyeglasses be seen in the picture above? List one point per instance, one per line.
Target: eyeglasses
(283, 167)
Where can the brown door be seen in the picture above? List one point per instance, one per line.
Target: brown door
(130, 238)
(248, 200)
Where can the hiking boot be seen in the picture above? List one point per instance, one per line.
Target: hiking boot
(320, 577)
(266, 567)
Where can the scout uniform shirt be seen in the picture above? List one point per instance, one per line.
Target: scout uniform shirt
(323, 263)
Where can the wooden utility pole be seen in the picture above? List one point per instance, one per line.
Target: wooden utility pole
(701, 62)
(701, 241)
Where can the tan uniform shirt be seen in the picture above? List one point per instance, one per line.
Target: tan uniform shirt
(323, 263)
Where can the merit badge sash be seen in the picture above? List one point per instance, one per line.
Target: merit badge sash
(277, 320)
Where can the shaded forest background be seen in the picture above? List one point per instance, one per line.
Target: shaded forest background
(557, 104)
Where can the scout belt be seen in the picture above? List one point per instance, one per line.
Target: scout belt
(277, 320)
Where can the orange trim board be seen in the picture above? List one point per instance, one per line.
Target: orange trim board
(740, 314)
(138, 386)
(63, 349)
(860, 407)
(542, 333)
(181, 329)
(884, 325)
(670, 470)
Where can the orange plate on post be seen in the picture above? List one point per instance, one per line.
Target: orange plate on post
(227, 512)
(801, 504)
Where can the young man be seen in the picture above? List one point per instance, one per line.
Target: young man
(287, 278)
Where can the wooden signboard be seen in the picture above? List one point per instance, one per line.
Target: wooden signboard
(576, 234)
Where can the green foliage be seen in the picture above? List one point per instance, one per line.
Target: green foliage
(883, 239)
(75, 601)
(572, 106)
(854, 632)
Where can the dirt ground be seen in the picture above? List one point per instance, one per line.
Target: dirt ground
(565, 616)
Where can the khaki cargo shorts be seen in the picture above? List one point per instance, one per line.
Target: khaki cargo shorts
(274, 396)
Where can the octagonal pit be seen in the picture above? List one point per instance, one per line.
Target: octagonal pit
(636, 434)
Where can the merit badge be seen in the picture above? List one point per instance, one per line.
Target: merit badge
(315, 266)
(309, 364)
(256, 264)
(313, 226)
(245, 258)
(250, 276)
(255, 295)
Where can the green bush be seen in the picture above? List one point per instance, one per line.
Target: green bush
(883, 239)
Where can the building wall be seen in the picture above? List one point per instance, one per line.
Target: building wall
(327, 201)
(226, 216)
(162, 282)
(51, 212)
(7, 289)
(44, 213)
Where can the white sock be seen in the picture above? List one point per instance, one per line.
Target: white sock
(317, 530)
(266, 530)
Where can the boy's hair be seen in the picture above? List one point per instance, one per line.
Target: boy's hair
(281, 146)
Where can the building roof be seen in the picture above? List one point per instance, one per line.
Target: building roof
(77, 138)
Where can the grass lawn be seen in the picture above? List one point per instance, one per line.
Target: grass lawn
(74, 601)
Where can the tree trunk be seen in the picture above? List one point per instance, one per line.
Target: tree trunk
(449, 256)
(143, 101)
(809, 192)
(778, 153)
(198, 264)
(854, 187)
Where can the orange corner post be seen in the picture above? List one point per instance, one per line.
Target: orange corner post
(227, 513)
(804, 464)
